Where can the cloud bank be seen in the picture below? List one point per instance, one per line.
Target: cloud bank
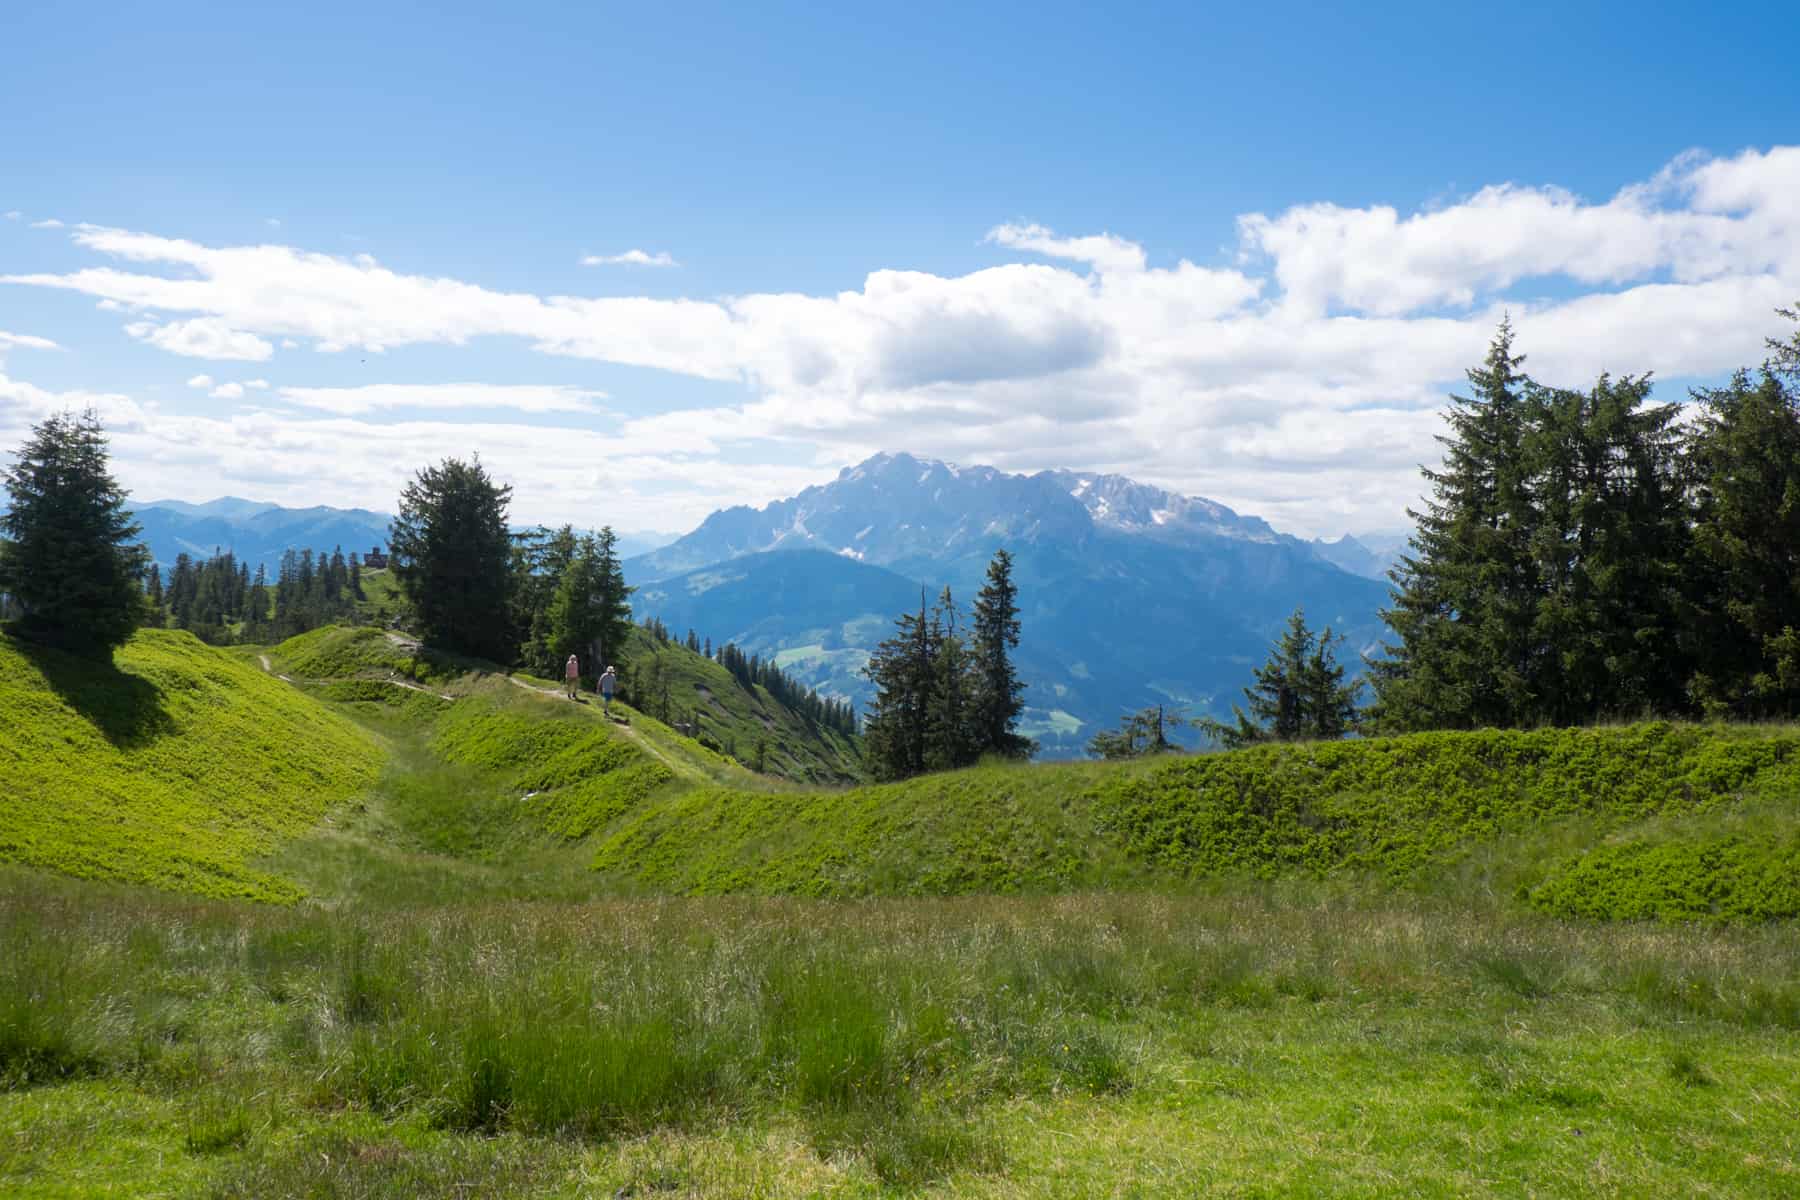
(1300, 378)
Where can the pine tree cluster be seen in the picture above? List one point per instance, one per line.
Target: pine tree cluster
(942, 699)
(221, 602)
(1299, 694)
(1586, 555)
(570, 597)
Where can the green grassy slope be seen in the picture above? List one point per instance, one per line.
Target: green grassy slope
(1647, 820)
(185, 763)
(382, 597)
(733, 719)
(519, 747)
(174, 765)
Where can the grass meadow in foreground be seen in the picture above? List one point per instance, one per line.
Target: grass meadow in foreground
(1286, 1041)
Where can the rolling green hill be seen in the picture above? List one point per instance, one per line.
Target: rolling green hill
(723, 717)
(182, 765)
(1635, 821)
(174, 765)
(733, 719)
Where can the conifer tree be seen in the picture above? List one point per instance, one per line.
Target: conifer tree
(1609, 543)
(901, 670)
(997, 700)
(70, 560)
(1466, 592)
(572, 621)
(1298, 693)
(1744, 458)
(948, 737)
(153, 596)
(612, 600)
(257, 607)
(453, 555)
(1143, 732)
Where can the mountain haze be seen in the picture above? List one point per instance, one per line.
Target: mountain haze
(259, 532)
(1129, 594)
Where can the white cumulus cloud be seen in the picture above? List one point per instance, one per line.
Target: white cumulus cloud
(200, 381)
(26, 341)
(1300, 379)
(379, 397)
(630, 258)
(1103, 252)
(202, 337)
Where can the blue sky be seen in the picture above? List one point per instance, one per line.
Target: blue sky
(887, 231)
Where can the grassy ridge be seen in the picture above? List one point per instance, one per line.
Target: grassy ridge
(1401, 809)
(497, 752)
(337, 652)
(988, 829)
(1631, 822)
(173, 765)
(733, 719)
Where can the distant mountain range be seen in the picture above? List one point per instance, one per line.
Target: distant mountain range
(259, 532)
(1130, 594)
(254, 531)
(1370, 555)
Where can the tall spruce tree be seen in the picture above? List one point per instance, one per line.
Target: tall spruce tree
(153, 596)
(572, 619)
(452, 553)
(949, 741)
(998, 693)
(70, 560)
(896, 731)
(612, 601)
(1609, 544)
(1744, 458)
(540, 557)
(1466, 592)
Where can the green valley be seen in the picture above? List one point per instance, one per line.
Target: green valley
(520, 949)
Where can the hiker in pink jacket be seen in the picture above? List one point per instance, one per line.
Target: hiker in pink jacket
(572, 675)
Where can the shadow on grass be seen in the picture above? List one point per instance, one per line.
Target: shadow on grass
(126, 709)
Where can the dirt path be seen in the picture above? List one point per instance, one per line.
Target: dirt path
(414, 687)
(409, 686)
(645, 744)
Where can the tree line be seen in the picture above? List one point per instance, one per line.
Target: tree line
(221, 602)
(1300, 694)
(1583, 554)
(944, 698)
(1586, 554)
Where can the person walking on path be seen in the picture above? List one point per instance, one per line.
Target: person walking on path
(608, 683)
(572, 675)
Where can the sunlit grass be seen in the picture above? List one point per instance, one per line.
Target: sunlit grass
(904, 1044)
